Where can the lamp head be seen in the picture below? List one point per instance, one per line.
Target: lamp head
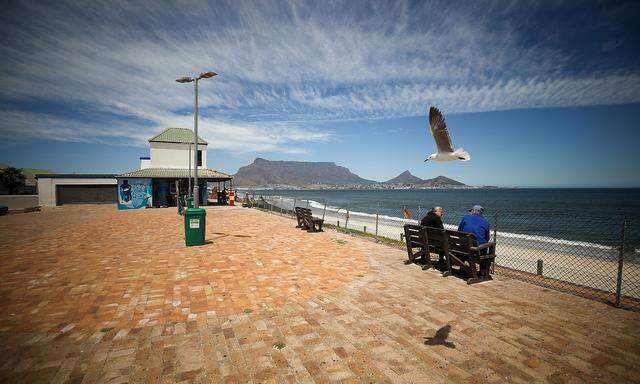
(206, 75)
(185, 80)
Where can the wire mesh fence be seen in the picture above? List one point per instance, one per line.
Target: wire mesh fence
(597, 258)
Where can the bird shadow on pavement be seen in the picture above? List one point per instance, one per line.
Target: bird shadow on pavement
(440, 338)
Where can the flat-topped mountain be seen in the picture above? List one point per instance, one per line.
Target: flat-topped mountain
(295, 173)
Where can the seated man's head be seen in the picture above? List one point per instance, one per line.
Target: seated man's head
(477, 209)
(438, 211)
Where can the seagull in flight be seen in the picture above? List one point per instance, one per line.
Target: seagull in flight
(443, 140)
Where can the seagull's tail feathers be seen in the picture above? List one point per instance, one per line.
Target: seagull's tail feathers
(462, 154)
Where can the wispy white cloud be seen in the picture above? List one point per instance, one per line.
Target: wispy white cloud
(283, 67)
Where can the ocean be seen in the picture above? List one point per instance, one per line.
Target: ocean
(592, 216)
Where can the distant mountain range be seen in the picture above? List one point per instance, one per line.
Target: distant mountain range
(440, 181)
(405, 178)
(301, 173)
(298, 173)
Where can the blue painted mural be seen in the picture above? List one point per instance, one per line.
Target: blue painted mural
(134, 193)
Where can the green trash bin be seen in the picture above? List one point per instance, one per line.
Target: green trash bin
(194, 226)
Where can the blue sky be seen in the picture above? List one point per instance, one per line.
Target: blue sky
(540, 93)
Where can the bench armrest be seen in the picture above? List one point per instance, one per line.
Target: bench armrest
(483, 246)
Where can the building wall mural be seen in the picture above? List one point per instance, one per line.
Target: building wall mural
(134, 193)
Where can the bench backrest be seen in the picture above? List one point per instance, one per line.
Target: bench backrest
(415, 235)
(438, 238)
(304, 212)
(460, 241)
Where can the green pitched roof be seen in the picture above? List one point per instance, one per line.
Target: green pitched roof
(175, 173)
(176, 135)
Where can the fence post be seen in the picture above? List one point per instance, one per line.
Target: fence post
(324, 210)
(495, 227)
(495, 239)
(294, 203)
(620, 263)
(539, 268)
(307, 203)
(377, 210)
(346, 222)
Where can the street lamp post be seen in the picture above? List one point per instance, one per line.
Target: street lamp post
(196, 188)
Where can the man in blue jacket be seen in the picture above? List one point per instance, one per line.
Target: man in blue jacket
(473, 222)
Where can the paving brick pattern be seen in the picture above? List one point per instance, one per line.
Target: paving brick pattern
(90, 294)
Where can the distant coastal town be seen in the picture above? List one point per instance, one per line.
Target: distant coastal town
(376, 186)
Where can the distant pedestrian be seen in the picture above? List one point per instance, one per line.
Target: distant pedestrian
(475, 223)
(433, 218)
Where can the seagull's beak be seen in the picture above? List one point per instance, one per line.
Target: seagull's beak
(427, 159)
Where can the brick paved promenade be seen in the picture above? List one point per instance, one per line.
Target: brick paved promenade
(90, 294)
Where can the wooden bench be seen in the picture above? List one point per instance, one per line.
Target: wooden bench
(299, 218)
(415, 237)
(422, 241)
(475, 260)
(307, 221)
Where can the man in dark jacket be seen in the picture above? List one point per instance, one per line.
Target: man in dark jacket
(433, 218)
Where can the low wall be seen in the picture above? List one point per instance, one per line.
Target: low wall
(15, 202)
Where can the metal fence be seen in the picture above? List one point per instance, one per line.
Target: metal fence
(597, 258)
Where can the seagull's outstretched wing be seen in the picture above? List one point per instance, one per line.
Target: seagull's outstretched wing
(439, 130)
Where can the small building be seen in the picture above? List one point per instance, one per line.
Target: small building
(72, 188)
(163, 177)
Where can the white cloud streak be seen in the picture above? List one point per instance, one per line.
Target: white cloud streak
(283, 67)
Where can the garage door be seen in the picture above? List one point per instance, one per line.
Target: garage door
(87, 194)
